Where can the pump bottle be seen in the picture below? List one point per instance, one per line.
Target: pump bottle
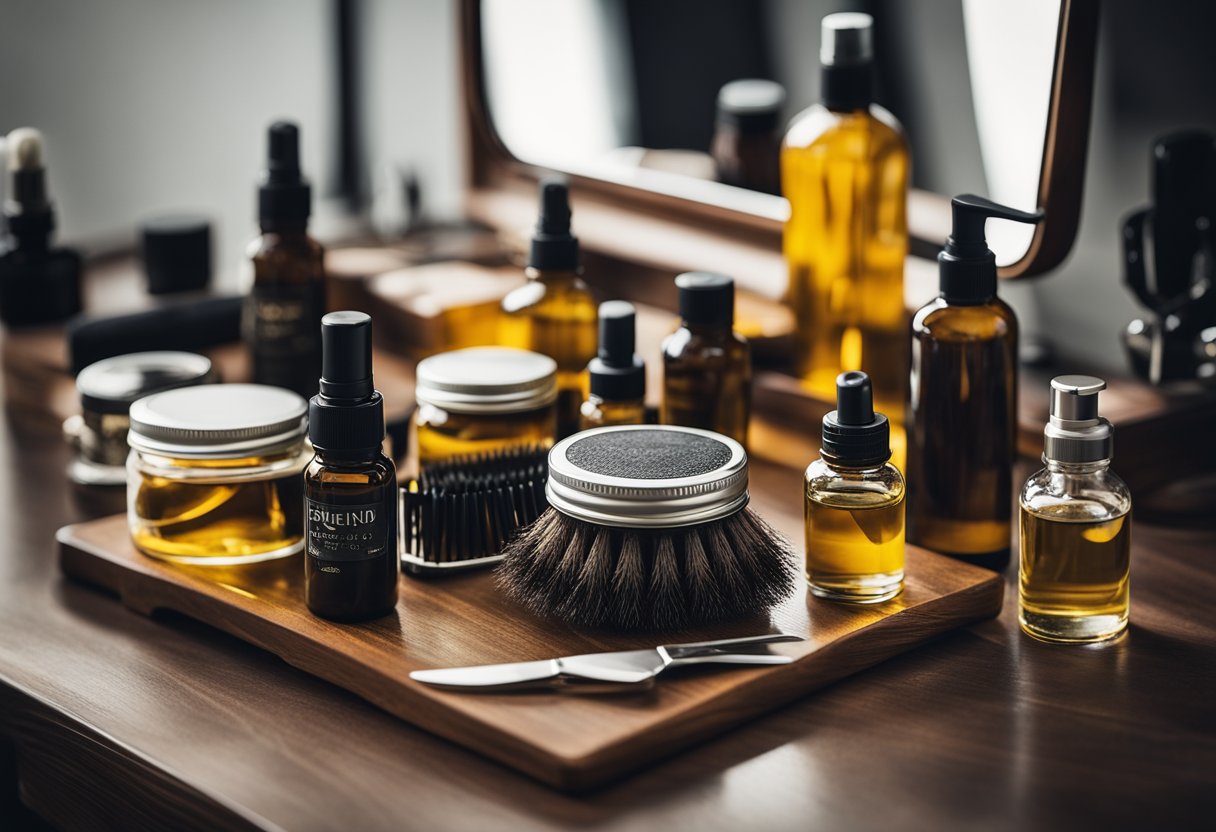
(617, 374)
(964, 399)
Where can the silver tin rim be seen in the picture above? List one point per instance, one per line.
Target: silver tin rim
(256, 419)
(457, 380)
(623, 502)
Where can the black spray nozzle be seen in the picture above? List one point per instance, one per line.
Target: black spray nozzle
(283, 152)
(554, 248)
(617, 373)
(346, 356)
(967, 265)
(285, 195)
(853, 434)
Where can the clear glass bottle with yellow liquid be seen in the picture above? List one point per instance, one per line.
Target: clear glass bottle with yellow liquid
(854, 499)
(844, 170)
(617, 374)
(555, 313)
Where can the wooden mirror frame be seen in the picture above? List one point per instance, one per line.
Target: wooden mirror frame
(497, 181)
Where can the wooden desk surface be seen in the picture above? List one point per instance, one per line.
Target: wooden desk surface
(118, 720)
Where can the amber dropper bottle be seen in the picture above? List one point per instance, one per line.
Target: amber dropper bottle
(285, 305)
(618, 374)
(554, 314)
(350, 487)
(965, 399)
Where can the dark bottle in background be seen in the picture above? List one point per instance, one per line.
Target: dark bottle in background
(350, 487)
(746, 145)
(287, 300)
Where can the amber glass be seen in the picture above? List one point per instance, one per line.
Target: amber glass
(284, 308)
(845, 175)
(964, 430)
(555, 315)
(597, 413)
(443, 434)
(359, 582)
(707, 380)
(747, 159)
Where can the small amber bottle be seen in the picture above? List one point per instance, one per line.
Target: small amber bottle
(350, 487)
(618, 374)
(707, 366)
(554, 313)
(854, 502)
(964, 399)
(283, 312)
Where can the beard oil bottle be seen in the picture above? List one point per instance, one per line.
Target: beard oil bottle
(1076, 525)
(964, 399)
(618, 374)
(844, 170)
(350, 487)
(285, 305)
(554, 314)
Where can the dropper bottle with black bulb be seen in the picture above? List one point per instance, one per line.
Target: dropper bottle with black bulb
(854, 503)
(287, 299)
(350, 487)
(555, 313)
(964, 399)
(618, 374)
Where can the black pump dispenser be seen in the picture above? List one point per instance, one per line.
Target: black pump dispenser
(347, 416)
(853, 434)
(285, 197)
(966, 265)
(554, 248)
(618, 373)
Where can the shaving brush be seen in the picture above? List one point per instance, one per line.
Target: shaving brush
(648, 529)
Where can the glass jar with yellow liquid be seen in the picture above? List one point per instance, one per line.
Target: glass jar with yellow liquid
(854, 500)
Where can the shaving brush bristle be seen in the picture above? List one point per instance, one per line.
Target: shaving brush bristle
(632, 579)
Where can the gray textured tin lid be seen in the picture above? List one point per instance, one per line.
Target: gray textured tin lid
(217, 420)
(487, 380)
(647, 476)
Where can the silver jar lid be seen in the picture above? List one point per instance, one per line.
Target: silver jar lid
(112, 384)
(218, 421)
(487, 380)
(1075, 433)
(647, 476)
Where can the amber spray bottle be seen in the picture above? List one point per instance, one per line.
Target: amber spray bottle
(285, 305)
(554, 314)
(844, 170)
(707, 366)
(965, 399)
(854, 503)
(618, 374)
(350, 487)
(1076, 525)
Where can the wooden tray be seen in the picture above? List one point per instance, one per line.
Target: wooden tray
(569, 741)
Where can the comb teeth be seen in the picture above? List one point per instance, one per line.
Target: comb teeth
(460, 513)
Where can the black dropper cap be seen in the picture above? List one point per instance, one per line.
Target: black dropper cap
(347, 416)
(853, 434)
(554, 248)
(618, 374)
(28, 208)
(706, 298)
(966, 265)
(284, 197)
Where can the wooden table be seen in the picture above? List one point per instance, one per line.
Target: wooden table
(110, 719)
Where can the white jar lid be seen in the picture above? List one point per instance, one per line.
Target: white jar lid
(218, 421)
(487, 380)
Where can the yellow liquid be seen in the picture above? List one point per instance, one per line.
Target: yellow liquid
(555, 315)
(443, 434)
(846, 178)
(597, 413)
(1073, 585)
(855, 546)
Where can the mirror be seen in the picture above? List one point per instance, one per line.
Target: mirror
(632, 93)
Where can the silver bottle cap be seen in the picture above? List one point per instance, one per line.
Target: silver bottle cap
(218, 421)
(487, 380)
(647, 476)
(847, 39)
(1075, 433)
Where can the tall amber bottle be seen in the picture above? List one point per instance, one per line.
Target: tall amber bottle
(555, 313)
(844, 170)
(283, 311)
(964, 399)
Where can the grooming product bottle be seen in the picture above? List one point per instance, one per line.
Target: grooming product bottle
(285, 305)
(350, 487)
(854, 501)
(39, 284)
(844, 170)
(964, 399)
(1076, 525)
(746, 146)
(617, 375)
(707, 366)
(554, 313)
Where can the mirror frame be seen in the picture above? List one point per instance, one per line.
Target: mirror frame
(491, 167)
